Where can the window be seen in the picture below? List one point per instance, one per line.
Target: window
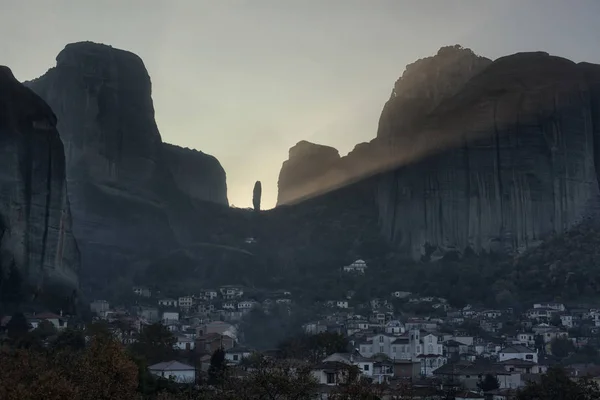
(529, 357)
(330, 378)
(235, 357)
(381, 349)
(393, 349)
(366, 367)
(380, 339)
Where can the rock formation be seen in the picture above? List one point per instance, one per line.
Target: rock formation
(126, 187)
(487, 155)
(307, 161)
(197, 174)
(256, 195)
(36, 239)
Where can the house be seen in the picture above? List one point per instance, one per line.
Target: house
(210, 294)
(566, 320)
(468, 395)
(358, 266)
(220, 327)
(517, 351)
(554, 306)
(364, 365)
(185, 302)
(228, 305)
(141, 291)
(209, 343)
(315, 327)
(407, 369)
(99, 307)
(231, 291)
(184, 343)
(57, 320)
(246, 305)
(522, 366)
(394, 327)
(170, 317)
(430, 363)
(179, 372)
(341, 304)
(332, 373)
(383, 369)
(526, 338)
(167, 302)
(236, 354)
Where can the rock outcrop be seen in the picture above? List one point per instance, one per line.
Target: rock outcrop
(307, 162)
(197, 174)
(125, 184)
(494, 156)
(36, 240)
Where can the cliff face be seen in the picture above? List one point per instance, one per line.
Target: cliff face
(492, 156)
(36, 239)
(197, 174)
(307, 162)
(120, 174)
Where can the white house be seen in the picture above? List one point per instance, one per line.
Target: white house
(167, 302)
(231, 291)
(57, 320)
(179, 372)
(358, 266)
(170, 317)
(236, 354)
(228, 305)
(394, 327)
(210, 294)
(186, 302)
(518, 352)
(185, 343)
(554, 306)
(566, 320)
(141, 291)
(341, 304)
(365, 365)
(246, 305)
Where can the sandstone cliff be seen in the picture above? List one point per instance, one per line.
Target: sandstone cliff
(36, 240)
(125, 186)
(491, 156)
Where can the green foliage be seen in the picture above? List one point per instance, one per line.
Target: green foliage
(556, 385)
(155, 344)
(489, 382)
(69, 340)
(217, 368)
(262, 330)
(561, 347)
(17, 327)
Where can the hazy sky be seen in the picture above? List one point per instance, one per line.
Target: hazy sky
(246, 80)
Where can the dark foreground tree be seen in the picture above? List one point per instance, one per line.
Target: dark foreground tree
(557, 385)
(217, 368)
(489, 382)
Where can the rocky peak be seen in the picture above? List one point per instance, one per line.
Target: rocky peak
(425, 84)
(306, 162)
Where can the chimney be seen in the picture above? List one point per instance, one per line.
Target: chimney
(61, 313)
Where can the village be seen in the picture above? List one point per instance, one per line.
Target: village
(457, 347)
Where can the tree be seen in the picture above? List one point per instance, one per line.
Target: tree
(275, 380)
(256, 195)
(45, 330)
(561, 347)
(69, 339)
(557, 385)
(555, 320)
(489, 382)
(155, 344)
(217, 368)
(17, 327)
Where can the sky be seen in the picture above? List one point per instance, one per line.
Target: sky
(245, 80)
